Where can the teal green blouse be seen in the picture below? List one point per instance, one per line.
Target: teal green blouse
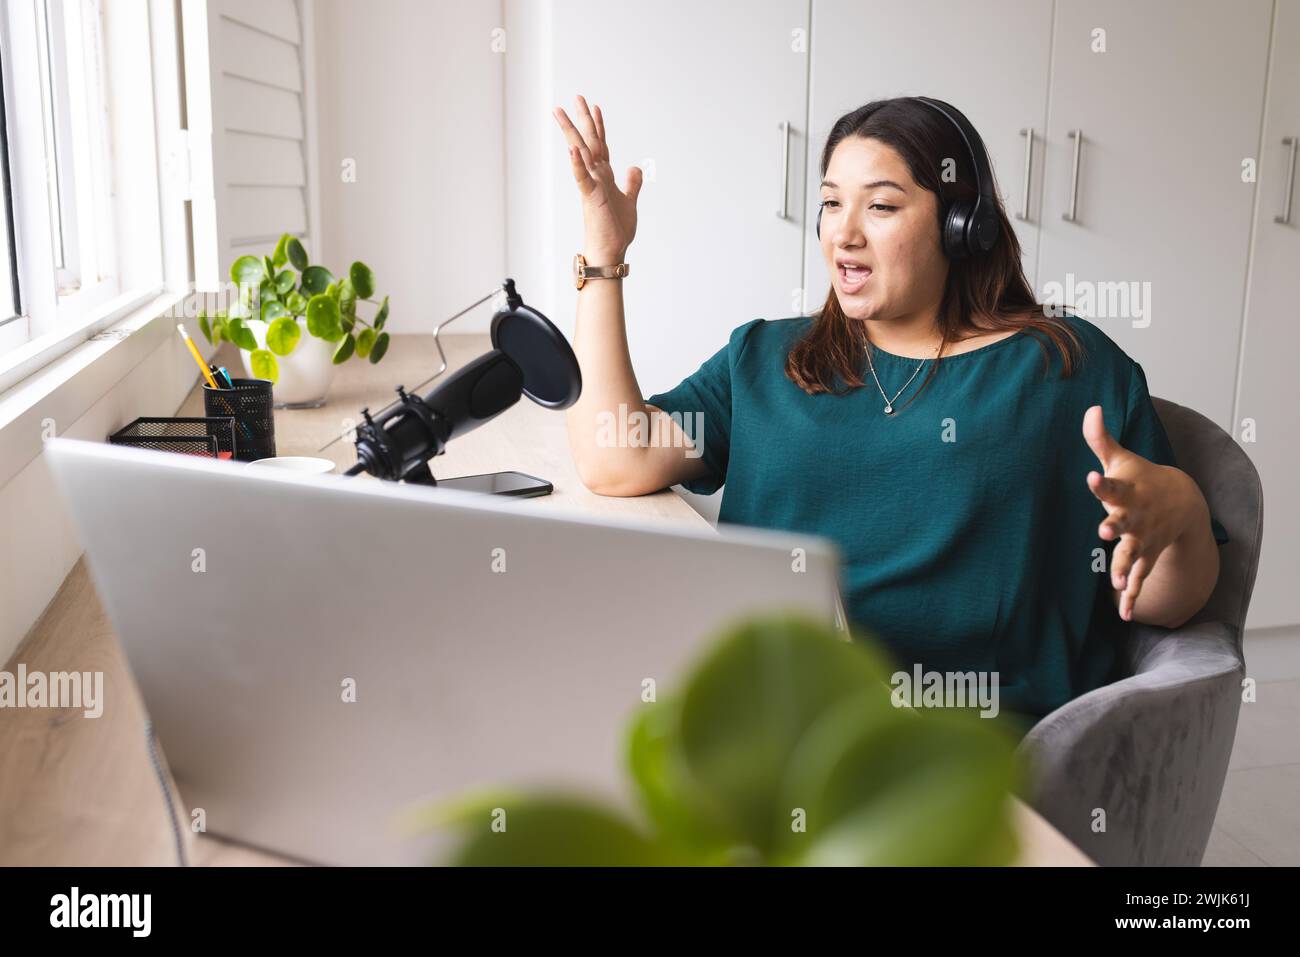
(966, 529)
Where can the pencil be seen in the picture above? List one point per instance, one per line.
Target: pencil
(194, 351)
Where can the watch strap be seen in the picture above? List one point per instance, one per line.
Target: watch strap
(582, 271)
(603, 272)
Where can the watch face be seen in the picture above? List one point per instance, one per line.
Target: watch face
(578, 263)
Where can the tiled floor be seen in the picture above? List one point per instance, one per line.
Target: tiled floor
(1259, 815)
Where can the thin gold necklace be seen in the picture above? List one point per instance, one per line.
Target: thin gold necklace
(889, 403)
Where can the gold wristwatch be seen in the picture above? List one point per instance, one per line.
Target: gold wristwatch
(582, 272)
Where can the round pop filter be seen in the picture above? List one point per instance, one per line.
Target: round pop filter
(551, 374)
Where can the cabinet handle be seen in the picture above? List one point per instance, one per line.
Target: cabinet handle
(1285, 218)
(783, 210)
(1028, 134)
(1072, 215)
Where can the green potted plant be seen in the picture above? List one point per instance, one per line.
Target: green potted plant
(294, 321)
(783, 745)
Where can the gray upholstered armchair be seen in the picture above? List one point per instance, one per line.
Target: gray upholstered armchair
(1152, 749)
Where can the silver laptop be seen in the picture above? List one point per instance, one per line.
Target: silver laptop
(319, 654)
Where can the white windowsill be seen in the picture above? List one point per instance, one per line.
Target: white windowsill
(62, 390)
(19, 363)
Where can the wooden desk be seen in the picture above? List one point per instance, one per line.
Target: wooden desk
(84, 792)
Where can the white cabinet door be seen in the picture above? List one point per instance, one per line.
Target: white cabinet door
(1267, 419)
(988, 59)
(695, 94)
(1168, 111)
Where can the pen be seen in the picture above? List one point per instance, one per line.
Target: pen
(194, 351)
(230, 383)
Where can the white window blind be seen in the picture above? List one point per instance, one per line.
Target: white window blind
(250, 96)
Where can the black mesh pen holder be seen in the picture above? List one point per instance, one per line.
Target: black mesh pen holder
(250, 404)
(213, 437)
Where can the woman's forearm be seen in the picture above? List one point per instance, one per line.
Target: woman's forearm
(1186, 573)
(608, 380)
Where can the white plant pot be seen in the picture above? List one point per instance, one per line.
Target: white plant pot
(305, 373)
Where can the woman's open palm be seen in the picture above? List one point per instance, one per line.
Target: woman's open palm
(609, 213)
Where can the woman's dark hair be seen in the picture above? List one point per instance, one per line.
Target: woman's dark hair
(983, 293)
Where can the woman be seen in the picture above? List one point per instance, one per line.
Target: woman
(994, 514)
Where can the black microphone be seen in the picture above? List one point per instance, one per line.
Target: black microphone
(530, 356)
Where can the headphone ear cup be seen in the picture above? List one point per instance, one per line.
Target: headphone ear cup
(982, 233)
(969, 230)
(954, 231)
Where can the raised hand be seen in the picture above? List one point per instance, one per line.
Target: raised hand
(609, 214)
(1148, 508)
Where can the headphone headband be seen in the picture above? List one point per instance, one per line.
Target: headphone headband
(974, 145)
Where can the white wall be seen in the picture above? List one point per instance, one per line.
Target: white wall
(412, 91)
(39, 545)
(533, 147)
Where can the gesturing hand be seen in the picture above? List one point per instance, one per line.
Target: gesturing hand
(1148, 508)
(608, 212)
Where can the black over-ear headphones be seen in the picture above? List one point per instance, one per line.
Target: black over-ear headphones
(970, 227)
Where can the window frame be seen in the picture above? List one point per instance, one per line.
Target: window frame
(73, 92)
(11, 308)
(49, 326)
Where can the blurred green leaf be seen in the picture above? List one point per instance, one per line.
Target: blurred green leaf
(911, 788)
(264, 365)
(238, 333)
(296, 303)
(379, 348)
(247, 271)
(663, 788)
(381, 316)
(272, 309)
(284, 281)
(751, 700)
(558, 831)
(363, 279)
(323, 318)
(297, 254)
(269, 267)
(206, 328)
(365, 341)
(315, 280)
(283, 335)
(465, 809)
(344, 352)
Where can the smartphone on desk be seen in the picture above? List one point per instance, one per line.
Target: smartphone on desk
(518, 484)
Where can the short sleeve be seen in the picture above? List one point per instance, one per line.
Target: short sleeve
(1144, 434)
(701, 404)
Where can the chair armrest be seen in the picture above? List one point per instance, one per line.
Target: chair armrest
(1146, 756)
(1196, 649)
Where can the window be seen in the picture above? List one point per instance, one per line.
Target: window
(9, 303)
(82, 161)
(70, 59)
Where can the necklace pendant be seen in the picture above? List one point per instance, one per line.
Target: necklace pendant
(889, 410)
